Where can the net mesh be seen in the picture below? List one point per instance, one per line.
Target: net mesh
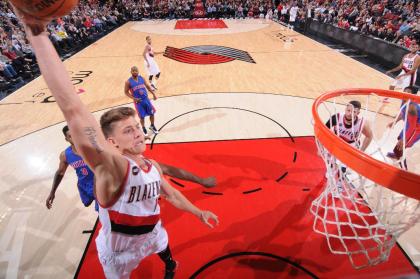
(358, 217)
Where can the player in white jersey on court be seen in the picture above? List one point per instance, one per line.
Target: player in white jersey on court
(152, 67)
(408, 66)
(127, 185)
(349, 126)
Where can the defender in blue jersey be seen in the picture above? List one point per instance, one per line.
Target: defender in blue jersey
(411, 132)
(85, 177)
(136, 88)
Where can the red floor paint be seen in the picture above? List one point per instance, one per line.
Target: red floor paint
(200, 24)
(271, 227)
(189, 57)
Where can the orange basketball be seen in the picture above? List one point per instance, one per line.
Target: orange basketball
(45, 9)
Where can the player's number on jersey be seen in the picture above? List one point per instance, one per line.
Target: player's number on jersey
(84, 171)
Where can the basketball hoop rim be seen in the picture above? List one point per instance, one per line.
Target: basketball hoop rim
(395, 179)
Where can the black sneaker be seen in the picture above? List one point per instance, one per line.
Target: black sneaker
(170, 270)
(153, 129)
(144, 131)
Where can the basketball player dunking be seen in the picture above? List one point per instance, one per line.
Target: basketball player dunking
(152, 67)
(408, 66)
(128, 185)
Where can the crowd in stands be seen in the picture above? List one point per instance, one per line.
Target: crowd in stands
(396, 21)
(173, 9)
(157, 9)
(69, 34)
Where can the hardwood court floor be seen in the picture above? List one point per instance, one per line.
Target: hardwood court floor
(303, 68)
(287, 76)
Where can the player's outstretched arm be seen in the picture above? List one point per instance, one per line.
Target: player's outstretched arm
(399, 67)
(178, 200)
(109, 167)
(59, 174)
(399, 118)
(186, 175)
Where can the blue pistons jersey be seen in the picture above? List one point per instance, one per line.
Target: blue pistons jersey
(138, 88)
(84, 175)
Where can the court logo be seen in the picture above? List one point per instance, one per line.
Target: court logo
(208, 54)
(289, 38)
(43, 96)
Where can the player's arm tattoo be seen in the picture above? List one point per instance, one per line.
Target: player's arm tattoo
(90, 132)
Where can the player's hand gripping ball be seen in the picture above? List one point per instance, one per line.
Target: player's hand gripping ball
(44, 9)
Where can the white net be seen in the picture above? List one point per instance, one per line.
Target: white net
(358, 217)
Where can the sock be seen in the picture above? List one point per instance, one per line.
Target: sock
(166, 257)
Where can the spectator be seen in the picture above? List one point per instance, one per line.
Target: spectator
(70, 33)
(7, 70)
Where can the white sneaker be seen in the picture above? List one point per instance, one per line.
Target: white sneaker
(153, 129)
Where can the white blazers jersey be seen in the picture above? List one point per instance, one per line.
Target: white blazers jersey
(408, 62)
(131, 228)
(406, 81)
(350, 134)
(153, 68)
